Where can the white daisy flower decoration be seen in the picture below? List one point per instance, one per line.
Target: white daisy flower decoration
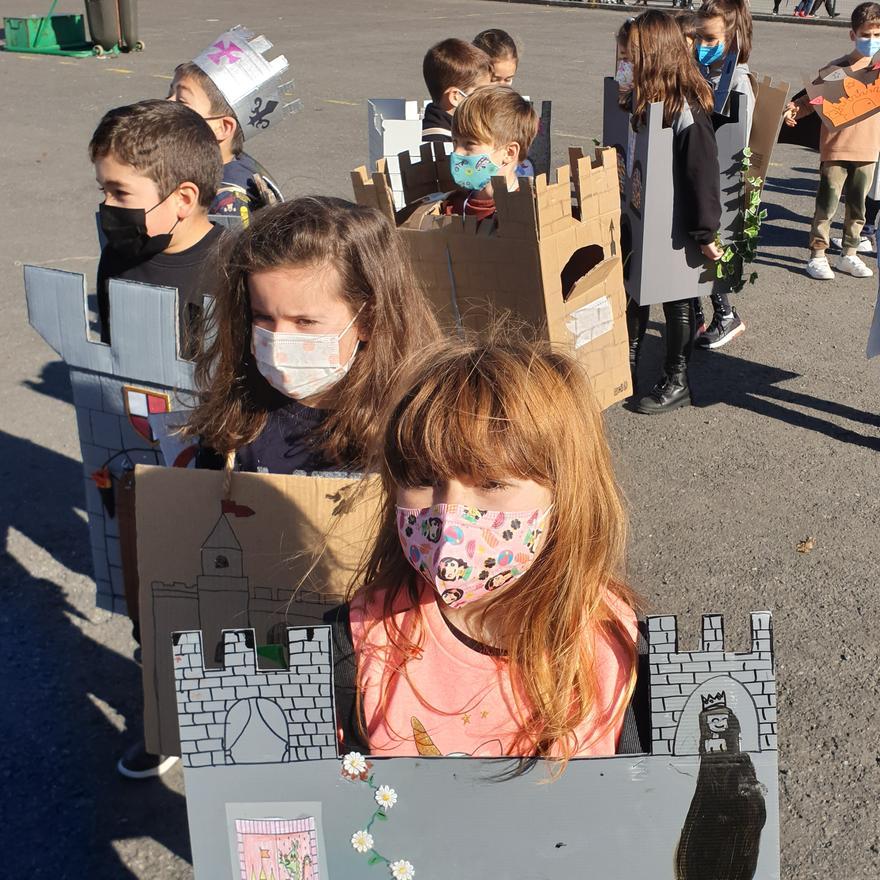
(354, 765)
(362, 841)
(402, 870)
(386, 797)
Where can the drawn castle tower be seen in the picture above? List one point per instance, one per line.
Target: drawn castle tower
(222, 596)
(116, 388)
(684, 682)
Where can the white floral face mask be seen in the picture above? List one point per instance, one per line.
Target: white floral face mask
(301, 364)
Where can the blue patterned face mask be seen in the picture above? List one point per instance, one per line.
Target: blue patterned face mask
(472, 172)
(708, 55)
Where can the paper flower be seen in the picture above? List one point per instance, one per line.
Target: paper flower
(386, 797)
(362, 841)
(402, 870)
(355, 766)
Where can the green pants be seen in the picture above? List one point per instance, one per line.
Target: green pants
(853, 178)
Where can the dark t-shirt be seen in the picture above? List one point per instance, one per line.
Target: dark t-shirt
(288, 443)
(193, 272)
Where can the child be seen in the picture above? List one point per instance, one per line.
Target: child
(308, 330)
(724, 26)
(501, 49)
(491, 134)
(688, 25)
(158, 166)
(452, 70)
(245, 186)
(496, 629)
(847, 159)
(663, 72)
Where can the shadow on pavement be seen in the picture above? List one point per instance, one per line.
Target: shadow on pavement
(54, 382)
(63, 803)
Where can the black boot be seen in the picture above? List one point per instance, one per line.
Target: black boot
(671, 392)
(634, 370)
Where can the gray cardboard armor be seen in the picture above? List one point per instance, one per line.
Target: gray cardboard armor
(661, 261)
(264, 782)
(115, 389)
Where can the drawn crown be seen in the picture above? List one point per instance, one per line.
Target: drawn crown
(714, 701)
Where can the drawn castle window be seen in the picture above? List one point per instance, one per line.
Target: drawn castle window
(221, 561)
(256, 732)
(635, 195)
(621, 168)
(277, 849)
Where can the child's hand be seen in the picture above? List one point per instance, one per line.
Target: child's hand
(712, 251)
(790, 114)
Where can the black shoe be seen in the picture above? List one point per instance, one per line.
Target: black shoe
(722, 330)
(670, 392)
(138, 763)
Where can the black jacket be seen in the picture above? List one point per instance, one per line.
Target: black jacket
(697, 174)
(436, 125)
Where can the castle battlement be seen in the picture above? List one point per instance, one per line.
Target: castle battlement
(241, 714)
(677, 677)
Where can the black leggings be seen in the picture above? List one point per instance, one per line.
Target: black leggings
(872, 208)
(680, 326)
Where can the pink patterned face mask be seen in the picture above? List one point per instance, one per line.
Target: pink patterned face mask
(465, 552)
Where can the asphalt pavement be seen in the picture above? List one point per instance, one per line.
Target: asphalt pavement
(782, 446)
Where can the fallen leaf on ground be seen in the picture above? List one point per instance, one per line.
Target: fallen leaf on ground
(806, 545)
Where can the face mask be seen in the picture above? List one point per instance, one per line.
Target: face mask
(868, 46)
(624, 74)
(300, 364)
(472, 172)
(464, 552)
(708, 55)
(126, 231)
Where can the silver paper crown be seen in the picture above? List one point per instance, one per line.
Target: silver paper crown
(252, 86)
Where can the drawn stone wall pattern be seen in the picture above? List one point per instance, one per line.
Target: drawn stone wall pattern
(676, 675)
(207, 697)
(143, 357)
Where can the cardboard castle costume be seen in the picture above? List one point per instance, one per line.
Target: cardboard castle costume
(115, 390)
(656, 241)
(556, 266)
(218, 550)
(394, 126)
(267, 792)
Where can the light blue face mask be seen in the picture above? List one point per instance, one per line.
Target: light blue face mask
(868, 46)
(708, 55)
(472, 172)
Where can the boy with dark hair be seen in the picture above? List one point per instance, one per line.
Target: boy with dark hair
(847, 159)
(158, 166)
(491, 134)
(452, 70)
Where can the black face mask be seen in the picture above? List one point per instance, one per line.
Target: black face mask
(126, 232)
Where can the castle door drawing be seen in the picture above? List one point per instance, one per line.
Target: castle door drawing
(256, 733)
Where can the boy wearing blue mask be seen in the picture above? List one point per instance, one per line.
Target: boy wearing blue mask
(158, 166)
(848, 157)
(491, 134)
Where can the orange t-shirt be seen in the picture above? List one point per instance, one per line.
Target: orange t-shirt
(452, 699)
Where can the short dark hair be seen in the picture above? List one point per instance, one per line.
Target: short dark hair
(165, 141)
(863, 14)
(496, 43)
(219, 105)
(453, 63)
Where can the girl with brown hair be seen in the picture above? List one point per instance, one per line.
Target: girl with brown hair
(663, 71)
(493, 619)
(318, 309)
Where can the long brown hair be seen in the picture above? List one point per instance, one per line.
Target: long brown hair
(376, 281)
(490, 411)
(664, 71)
(737, 20)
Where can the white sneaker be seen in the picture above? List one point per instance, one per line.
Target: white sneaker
(866, 246)
(818, 268)
(853, 265)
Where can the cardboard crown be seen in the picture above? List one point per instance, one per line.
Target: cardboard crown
(551, 260)
(252, 86)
